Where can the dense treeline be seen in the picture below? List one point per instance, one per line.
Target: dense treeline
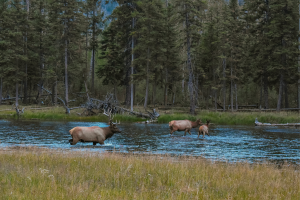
(209, 54)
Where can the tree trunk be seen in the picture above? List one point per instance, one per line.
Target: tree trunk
(1, 86)
(166, 88)
(115, 92)
(93, 71)
(299, 64)
(86, 50)
(231, 90)
(154, 92)
(54, 93)
(197, 90)
(66, 74)
(93, 53)
(174, 93)
(215, 90)
(236, 97)
(261, 91)
(266, 92)
(189, 66)
(286, 95)
(132, 58)
(182, 82)
(147, 80)
(224, 84)
(17, 94)
(127, 97)
(26, 64)
(280, 91)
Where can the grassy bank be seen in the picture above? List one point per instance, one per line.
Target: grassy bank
(235, 118)
(58, 113)
(49, 174)
(225, 118)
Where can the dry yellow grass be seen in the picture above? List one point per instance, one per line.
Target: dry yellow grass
(36, 173)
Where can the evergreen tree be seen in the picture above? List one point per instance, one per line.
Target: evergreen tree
(190, 13)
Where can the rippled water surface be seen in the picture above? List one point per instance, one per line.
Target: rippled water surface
(232, 143)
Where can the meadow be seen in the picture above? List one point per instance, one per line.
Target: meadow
(38, 173)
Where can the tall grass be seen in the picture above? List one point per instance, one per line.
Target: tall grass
(49, 174)
(227, 118)
(58, 113)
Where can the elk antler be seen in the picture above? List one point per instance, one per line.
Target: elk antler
(109, 115)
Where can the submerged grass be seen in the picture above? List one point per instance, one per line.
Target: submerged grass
(57, 174)
(225, 118)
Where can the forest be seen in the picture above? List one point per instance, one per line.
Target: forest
(209, 54)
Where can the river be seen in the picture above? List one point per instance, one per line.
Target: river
(226, 142)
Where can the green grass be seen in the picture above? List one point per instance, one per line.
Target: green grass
(227, 118)
(34, 173)
(224, 118)
(58, 113)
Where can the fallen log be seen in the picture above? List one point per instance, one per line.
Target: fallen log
(257, 123)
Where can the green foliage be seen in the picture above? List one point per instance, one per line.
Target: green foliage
(209, 44)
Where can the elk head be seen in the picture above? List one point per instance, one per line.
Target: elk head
(207, 122)
(112, 125)
(199, 122)
(114, 128)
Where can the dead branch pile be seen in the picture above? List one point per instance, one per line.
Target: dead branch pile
(110, 104)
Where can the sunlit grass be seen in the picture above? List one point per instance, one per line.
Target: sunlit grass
(49, 174)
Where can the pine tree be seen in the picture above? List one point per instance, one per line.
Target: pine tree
(13, 25)
(117, 41)
(190, 14)
(95, 25)
(257, 16)
(149, 30)
(208, 70)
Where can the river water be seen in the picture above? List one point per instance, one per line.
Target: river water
(226, 143)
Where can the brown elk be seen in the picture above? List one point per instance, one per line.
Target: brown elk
(183, 125)
(93, 134)
(204, 129)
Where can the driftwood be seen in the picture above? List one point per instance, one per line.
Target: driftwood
(19, 111)
(64, 104)
(257, 123)
(110, 104)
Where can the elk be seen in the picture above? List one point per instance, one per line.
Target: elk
(204, 129)
(183, 125)
(93, 134)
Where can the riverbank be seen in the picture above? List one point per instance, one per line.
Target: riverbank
(40, 173)
(222, 118)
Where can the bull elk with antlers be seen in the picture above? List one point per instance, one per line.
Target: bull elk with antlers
(94, 134)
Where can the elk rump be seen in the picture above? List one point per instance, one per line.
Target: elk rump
(93, 134)
(183, 125)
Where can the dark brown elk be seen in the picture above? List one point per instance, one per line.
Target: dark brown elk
(204, 129)
(183, 125)
(93, 134)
